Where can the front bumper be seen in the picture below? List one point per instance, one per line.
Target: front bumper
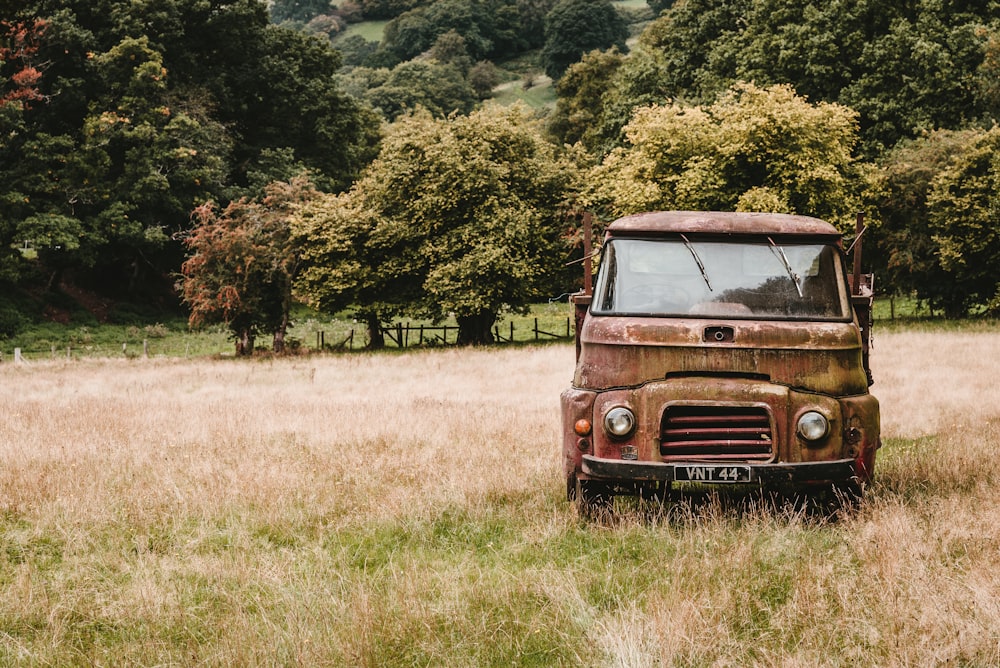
(614, 470)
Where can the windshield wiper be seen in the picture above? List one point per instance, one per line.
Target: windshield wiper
(788, 267)
(697, 259)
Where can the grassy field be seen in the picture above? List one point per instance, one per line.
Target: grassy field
(400, 510)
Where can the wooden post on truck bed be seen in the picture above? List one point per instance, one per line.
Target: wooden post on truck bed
(581, 300)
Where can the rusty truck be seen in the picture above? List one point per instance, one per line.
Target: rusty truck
(720, 349)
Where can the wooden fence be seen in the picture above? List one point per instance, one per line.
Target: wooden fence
(402, 335)
(406, 335)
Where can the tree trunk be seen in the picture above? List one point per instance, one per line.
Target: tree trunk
(476, 330)
(376, 340)
(245, 343)
(278, 346)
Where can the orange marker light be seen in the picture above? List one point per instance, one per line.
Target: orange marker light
(582, 427)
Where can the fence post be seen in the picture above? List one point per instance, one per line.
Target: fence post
(536, 329)
(567, 328)
(421, 335)
(512, 331)
(17, 356)
(68, 354)
(145, 348)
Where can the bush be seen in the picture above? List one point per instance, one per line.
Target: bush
(11, 321)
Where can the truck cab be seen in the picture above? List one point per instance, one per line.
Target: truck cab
(720, 349)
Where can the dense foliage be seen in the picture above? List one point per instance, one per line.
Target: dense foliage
(139, 112)
(752, 150)
(462, 215)
(574, 27)
(903, 66)
(938, 197)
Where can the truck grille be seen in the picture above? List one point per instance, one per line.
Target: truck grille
(715, 433)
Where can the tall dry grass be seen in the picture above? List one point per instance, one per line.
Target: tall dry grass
(408, 510)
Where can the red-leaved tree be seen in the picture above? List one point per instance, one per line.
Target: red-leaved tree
(242, 263)
(18, 75)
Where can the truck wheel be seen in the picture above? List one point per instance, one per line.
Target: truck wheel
(593, 499)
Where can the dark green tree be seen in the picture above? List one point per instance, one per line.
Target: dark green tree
(901, 246)
(440, 89)
(937, 197)
(574, 27)
(580, 106)
(298, 10)
(145, 110)
(906, 67)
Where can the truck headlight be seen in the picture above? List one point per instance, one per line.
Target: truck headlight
(619, 422)
(813, 426)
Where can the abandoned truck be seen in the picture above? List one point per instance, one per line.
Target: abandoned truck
(720, 348)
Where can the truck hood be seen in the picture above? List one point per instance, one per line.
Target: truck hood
(822, 357)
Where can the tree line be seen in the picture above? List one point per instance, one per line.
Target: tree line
(199, 142)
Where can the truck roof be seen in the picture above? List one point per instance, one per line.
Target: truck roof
(723, 223)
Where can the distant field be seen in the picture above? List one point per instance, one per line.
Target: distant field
(400, 510)
(370, 30)
(539, 95)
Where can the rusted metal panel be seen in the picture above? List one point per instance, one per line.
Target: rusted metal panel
(723, 223)
(821, 357)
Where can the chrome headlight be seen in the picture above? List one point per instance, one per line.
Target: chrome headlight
(619, 422)
(813, 426)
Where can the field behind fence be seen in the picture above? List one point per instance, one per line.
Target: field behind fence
(399, 510)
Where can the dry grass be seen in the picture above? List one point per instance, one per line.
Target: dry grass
(408, 510)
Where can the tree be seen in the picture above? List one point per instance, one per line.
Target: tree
(344, 267)
(18, 90)
(298, 10)
(964, 222)
(753, 148)
(128, 130)
(937, 201)
(484, 77)
(440, 89)
(242, 264)
(574, 27)
(458, 216)
(905, 67)
(580, 105)
(901, 246)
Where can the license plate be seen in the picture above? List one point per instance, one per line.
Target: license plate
(711, 473)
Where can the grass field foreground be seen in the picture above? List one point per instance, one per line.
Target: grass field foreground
(399, 510)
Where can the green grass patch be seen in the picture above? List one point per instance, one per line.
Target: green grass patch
(534, 90)
(371, 31)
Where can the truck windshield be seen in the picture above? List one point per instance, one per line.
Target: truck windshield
(721, 279)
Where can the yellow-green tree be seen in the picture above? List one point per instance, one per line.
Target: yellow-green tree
(457, 216)
(753, 149)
